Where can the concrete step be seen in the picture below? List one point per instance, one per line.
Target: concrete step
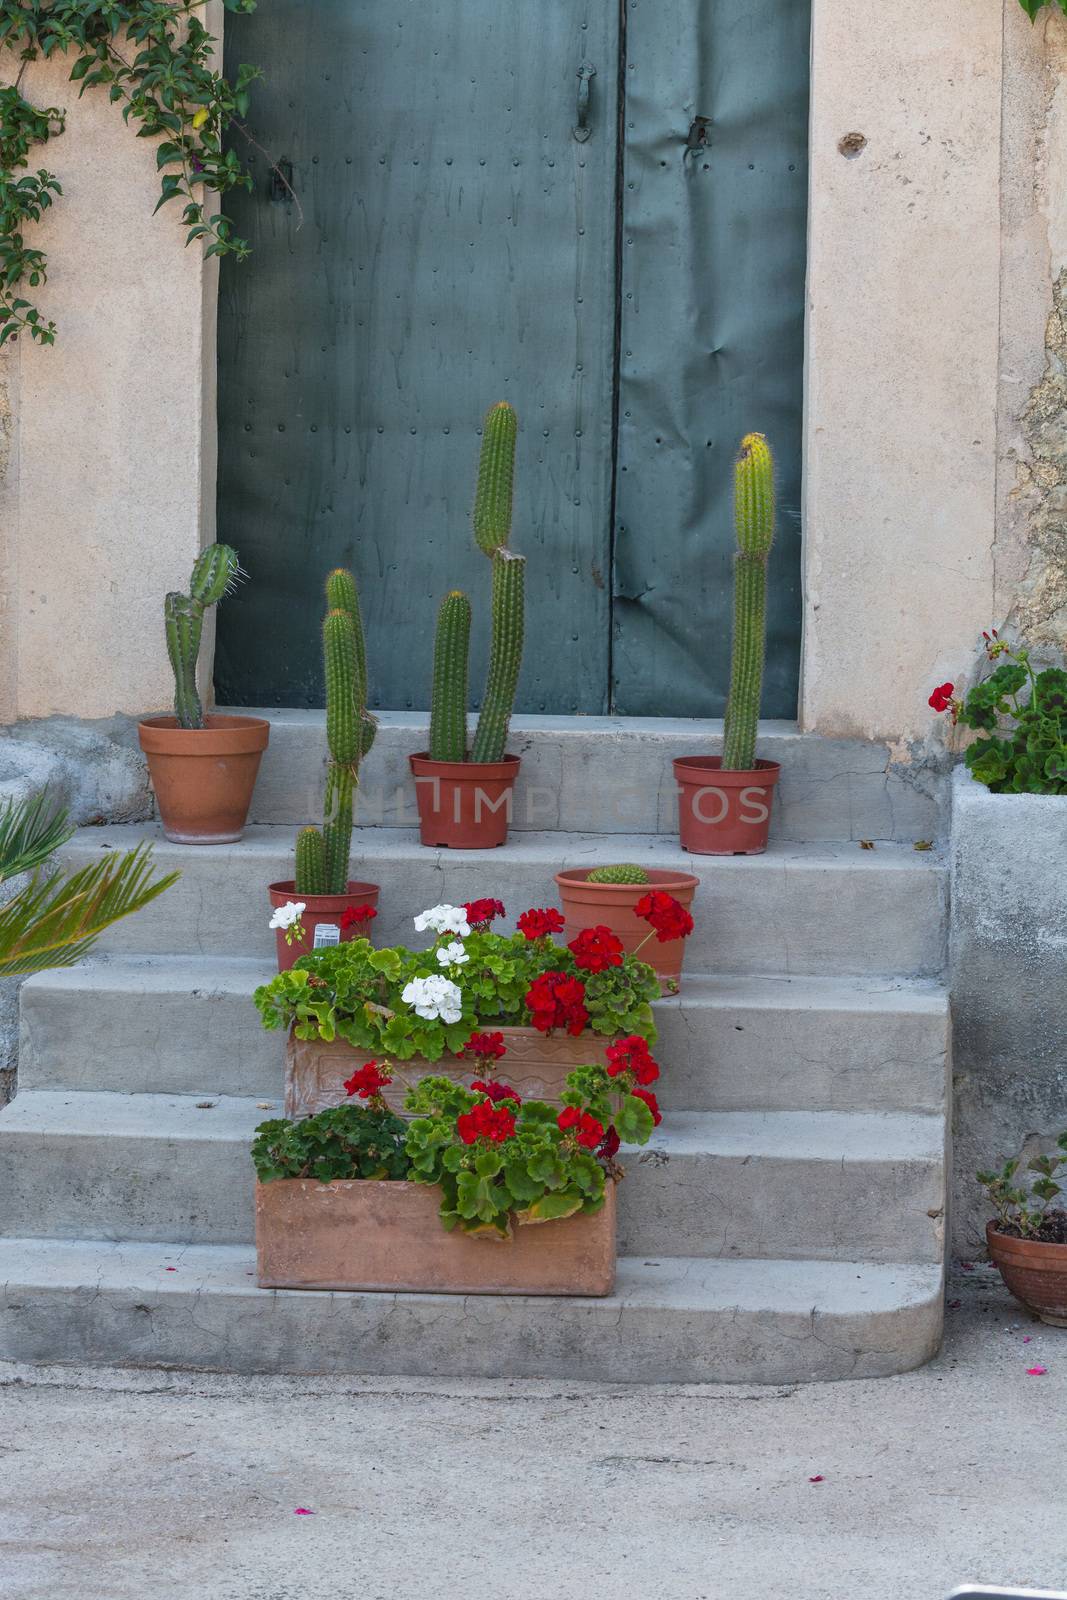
(187, 1025)
(769, 1185)
(671, 1320)
(801, 908)
(614, 775)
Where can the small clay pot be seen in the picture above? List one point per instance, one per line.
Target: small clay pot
(320, 910)
(387, 1237)
(1035, 1272)
(724, 813)
(203, 777)
(611, 905)
(464, 805)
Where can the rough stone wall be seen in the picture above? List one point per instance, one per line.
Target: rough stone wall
(1030, 547)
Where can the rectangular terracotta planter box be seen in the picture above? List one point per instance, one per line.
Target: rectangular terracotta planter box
(387, 1237)
(536, 1066)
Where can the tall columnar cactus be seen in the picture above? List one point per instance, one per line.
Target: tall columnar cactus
(448, 706)
(505, 656)
(322, 857)
(754, 516)
(215, 572)
(492, 530)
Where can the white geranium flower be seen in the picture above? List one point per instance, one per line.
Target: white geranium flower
(452, 955)
(434, 998)
(285, 916)
(443, 919)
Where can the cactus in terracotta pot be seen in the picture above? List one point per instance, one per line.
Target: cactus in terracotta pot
(754, 518)
(492, 530)
(215, 573)
(625, 872)
(322, 854)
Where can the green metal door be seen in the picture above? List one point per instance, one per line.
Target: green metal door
(455, 243)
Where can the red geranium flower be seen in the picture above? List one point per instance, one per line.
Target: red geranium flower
(588, 1132)
(941, 699)
(486, 1046)
(596, 948)
(486, 1121)
(556, 1001)
(665, 914)
(367, 1081)
(632, 1055)
(351, 915)
(651, 1102)
(609, 1147)
(480, 913)
(536, 924)
(496, 1091)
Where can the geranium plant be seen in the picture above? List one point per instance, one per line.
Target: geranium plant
(499, 1162)
(1023, 717)
(401, 1003)
(1025, 1210)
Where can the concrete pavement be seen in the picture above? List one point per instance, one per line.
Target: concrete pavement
(125, 1485)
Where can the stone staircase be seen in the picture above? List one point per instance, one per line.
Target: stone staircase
(787, 1221)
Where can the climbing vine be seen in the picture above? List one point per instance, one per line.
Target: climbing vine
(154, 58)
(1032, 7)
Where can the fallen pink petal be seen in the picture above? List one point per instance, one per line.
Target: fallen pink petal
(818, 1478)
(1027, 1338)
(1036, 1372)
(302, 1511)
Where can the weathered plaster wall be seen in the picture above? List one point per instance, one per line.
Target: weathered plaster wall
(904, 282)
(109, 478)
(1009, 986)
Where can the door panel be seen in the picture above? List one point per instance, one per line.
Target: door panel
(712, 320)
(457, 247)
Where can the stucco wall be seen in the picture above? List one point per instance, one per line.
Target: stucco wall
(1009, 986)
(108, 475)
(904, 278)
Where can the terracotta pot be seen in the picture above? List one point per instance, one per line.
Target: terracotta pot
(611, 905)
(536, 1066)
(321, 911)
(1035, 1272)
(724, 813)
(204, 777)
(464, 805)
(387, 1237)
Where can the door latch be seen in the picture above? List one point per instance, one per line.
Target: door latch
(586, 74)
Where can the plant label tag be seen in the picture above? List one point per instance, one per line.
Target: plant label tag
(327, 933)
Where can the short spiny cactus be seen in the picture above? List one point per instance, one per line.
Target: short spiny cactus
(322, 856)
(492, 530)
(754, 517)
(215, 572)
(624, 873)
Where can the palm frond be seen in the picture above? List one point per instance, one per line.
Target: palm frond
(55, 920)
(31, 831)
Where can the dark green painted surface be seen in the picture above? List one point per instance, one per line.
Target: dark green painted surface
(712, 339)
(458, 247)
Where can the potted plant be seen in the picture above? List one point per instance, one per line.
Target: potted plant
(346, 1199)
(322, 905)
(203, 767)
(464, 798)
(459, 1007)
(1024, 748)
(636, 904)
(724, 802)
(1028, 1237)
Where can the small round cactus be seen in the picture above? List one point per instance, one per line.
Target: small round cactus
(625, 873)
